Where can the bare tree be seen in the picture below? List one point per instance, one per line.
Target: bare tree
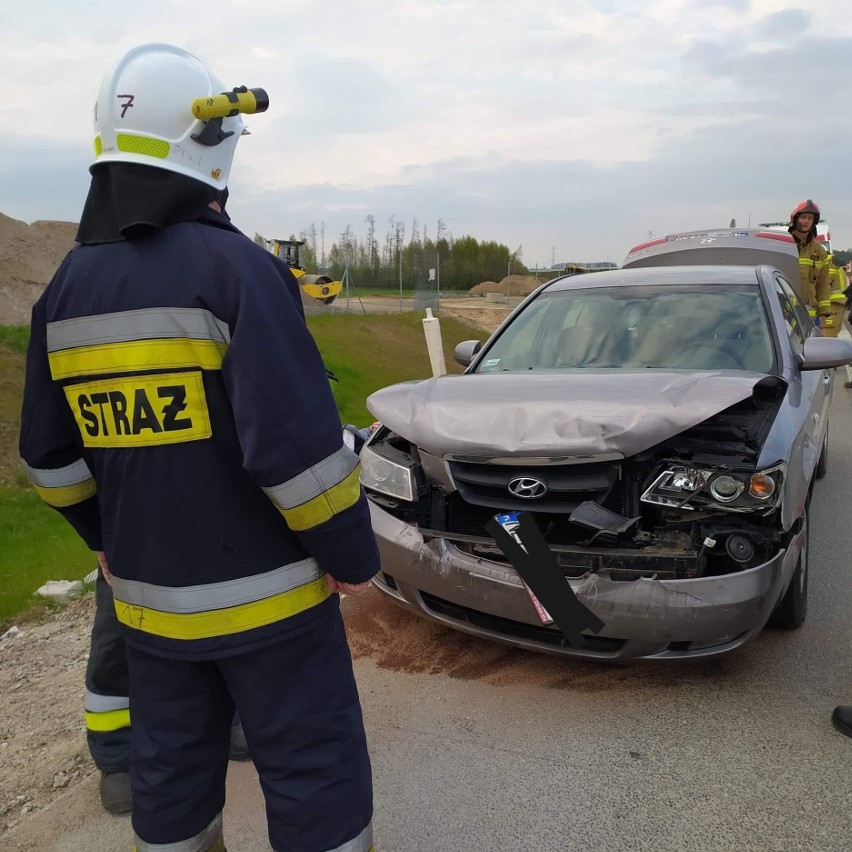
(388, 253)
(371, 251)
(399, 239)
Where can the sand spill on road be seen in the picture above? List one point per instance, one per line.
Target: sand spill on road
(400, 641)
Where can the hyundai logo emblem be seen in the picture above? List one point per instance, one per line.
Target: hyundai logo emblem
(527, 488)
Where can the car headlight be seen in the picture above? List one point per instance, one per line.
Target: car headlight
(676, 485)
(386, 477)
(684, 487)
(726, 488)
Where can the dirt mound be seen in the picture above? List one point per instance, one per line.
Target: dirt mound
(29, 255)
(512, 285)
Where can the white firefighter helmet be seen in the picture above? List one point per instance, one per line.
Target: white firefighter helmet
(144, 115)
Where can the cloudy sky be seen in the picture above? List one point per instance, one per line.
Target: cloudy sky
(570, 127)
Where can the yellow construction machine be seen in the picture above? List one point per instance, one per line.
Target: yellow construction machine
(319, 287)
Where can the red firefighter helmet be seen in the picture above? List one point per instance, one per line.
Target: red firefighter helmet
(805, 207)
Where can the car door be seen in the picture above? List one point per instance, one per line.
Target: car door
(811, 413)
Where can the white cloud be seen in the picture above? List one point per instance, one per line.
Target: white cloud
(503, 118)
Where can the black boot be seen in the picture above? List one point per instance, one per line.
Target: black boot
(115, 792)
(841, 718)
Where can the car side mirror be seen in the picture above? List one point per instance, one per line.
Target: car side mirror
(821, 353)
(465, 351)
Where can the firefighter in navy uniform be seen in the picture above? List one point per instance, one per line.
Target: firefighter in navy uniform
(107, 705)
(814, 266)
(178, 414)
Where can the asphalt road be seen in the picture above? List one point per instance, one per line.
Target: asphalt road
(480, 748)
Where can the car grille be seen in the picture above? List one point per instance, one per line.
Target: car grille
(567, 485)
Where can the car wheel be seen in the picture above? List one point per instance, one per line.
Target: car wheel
(822, 464)
(791, 611)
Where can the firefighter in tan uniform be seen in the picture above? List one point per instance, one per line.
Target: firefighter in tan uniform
(837, 297)
(814, 273)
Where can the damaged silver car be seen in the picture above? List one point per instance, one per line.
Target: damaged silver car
(663, 426)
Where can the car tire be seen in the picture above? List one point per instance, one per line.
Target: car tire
(822, 464)
(791, 611)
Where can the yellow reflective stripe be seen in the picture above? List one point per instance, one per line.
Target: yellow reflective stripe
(111, 720)
(130, 143)
(823, 303)
(328, 504)
(99, 147)
(62, 486)
(314, 481)
(136, 355)
(222, 622)
(837, 297)
(67, 495)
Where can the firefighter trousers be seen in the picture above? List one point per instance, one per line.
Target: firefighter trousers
(302, 720)
(106, 703)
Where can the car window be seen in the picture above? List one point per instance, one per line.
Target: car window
(718, 327)
(519, 343)
(796, 319)
(805, 321)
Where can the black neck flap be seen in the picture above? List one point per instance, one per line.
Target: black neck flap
(127, 201)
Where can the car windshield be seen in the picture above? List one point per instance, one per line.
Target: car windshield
(684, 327)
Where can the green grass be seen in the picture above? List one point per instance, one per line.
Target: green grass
(370, 352)
(16, 337)
(36, 543)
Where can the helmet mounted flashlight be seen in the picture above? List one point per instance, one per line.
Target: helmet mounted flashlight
(231, 103)
(212, 109)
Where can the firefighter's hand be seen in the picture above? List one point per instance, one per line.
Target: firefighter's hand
(346, 588)
(102, 561)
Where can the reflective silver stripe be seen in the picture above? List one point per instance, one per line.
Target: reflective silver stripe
(145, 324)
(105, 703)
(362, 843)
(210, 596)
(314, 481)
(60, 477)
(200, 843)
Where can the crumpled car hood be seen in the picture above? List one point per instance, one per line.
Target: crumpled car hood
(589, 412)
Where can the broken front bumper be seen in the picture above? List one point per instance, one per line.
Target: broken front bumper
(643, 619)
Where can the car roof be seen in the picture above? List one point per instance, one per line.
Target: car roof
(707, 275)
